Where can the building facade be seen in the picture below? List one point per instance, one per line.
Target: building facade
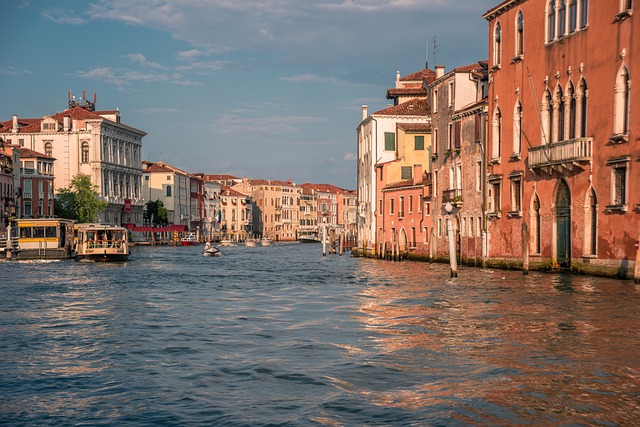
(90, 142)
(170, 185)
(563, 144)
(458, 117)
(9, 184)
(36, 183)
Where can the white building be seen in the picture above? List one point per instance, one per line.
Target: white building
(90, 142)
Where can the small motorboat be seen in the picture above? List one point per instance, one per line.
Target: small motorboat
(211, 251)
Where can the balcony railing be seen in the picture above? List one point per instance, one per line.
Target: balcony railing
(560, 156)
(453, 196)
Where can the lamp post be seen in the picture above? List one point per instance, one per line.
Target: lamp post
(448, 207)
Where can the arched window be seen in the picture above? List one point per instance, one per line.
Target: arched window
(559, 101)
(517, 128)
(496, 134)
(582, 108)
(572, 111)
(551, 20)
(497, 45)
(85, 152)
(584, 13)
(562, 18)
(48, 148)
(168, 191)
(547, 117)
(591, 223)
(520, 34)
(573, 15)
(622, 98)
(535, 226)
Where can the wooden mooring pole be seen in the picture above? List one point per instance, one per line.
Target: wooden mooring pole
(525, 249)
(636, 270)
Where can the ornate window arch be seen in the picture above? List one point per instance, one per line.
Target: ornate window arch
(496, 134)
(519, 34)
(559, 133)
(582, 101)
(48, 148)
(84, 148)
(497, 44)
(590, 223)
(622, 95)
(571, 107)
(517, 128)
(547, 117)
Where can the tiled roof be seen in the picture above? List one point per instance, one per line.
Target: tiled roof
(230, 192)
(413, 91)
(219, 177)
(415, 127)
(28, 153)
(413, 107)
(426, 74)
(400, 184)
(275, 182)
(324, 188)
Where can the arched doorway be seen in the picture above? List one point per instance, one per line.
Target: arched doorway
(563, 224)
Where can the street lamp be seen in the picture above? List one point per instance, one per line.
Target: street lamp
(448, 208)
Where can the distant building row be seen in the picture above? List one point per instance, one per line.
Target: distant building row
(39, 155)
(533, 152)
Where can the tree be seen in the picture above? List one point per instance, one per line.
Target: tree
(157, 213)
(80, 200)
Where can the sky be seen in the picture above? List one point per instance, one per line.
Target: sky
(267, 89)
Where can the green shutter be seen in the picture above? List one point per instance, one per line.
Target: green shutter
(406, 172)
(419, 142)
(389, 141)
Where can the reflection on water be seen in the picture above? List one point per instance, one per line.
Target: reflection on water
(283, 336)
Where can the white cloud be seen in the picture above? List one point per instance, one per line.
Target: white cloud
(349, 157)
(8, 70)
(140, 59)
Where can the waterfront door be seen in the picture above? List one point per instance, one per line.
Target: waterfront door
(563, 225)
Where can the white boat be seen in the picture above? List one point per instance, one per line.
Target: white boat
(190, 239)
(211, 251)
(226, 242)
(100, 242)
(265, 241)
(252, 242)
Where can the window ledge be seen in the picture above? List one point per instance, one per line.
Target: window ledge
(517, 58)
(592, 256)
(495, 161)
(495, 68)
(514, 214)
(619, 138)
(617, 208)
(515, 157)
(494, 215)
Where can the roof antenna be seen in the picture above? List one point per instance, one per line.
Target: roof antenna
(435, 48)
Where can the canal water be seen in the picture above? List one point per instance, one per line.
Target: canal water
(282, 336)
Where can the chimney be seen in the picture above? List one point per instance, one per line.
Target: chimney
(365, 112)
(66, 124)
(15, 127)
(439, 71)
(398, 75)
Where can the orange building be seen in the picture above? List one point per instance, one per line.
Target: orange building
(564, 147)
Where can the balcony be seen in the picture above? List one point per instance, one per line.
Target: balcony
(563, 156)
(452, 196)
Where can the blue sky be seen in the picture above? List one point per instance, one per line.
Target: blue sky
(259, 88)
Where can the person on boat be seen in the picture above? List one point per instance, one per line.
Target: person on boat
(207, 245)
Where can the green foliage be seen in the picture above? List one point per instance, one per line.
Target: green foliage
(80, 200)
(157, 213)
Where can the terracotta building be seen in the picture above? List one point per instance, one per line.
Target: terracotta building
(402, 221)
(9, 185)
(564, 139)
(36, 183)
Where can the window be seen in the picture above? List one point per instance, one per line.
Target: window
(494, 194)
(572, 111)
(517, 129)
(516, 195)
(48, 148)
(582, 109)
(591, 223)
(391, 207)
(410, 204)
(451, 94)
(27, 208)
(85, 152)
(497, 45)
(551, 20)
(450, 136)
(401, 207)
(573, 15)
(435, 142)
(168, 191)
(621, 104)
(535, 226)
(435, 101)
(562, 16)
(584, 13)
(559, 101)
(389, 141)
(619, 185)
(519, 35)
(496, 134)
(418, 142)
(406, 172)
